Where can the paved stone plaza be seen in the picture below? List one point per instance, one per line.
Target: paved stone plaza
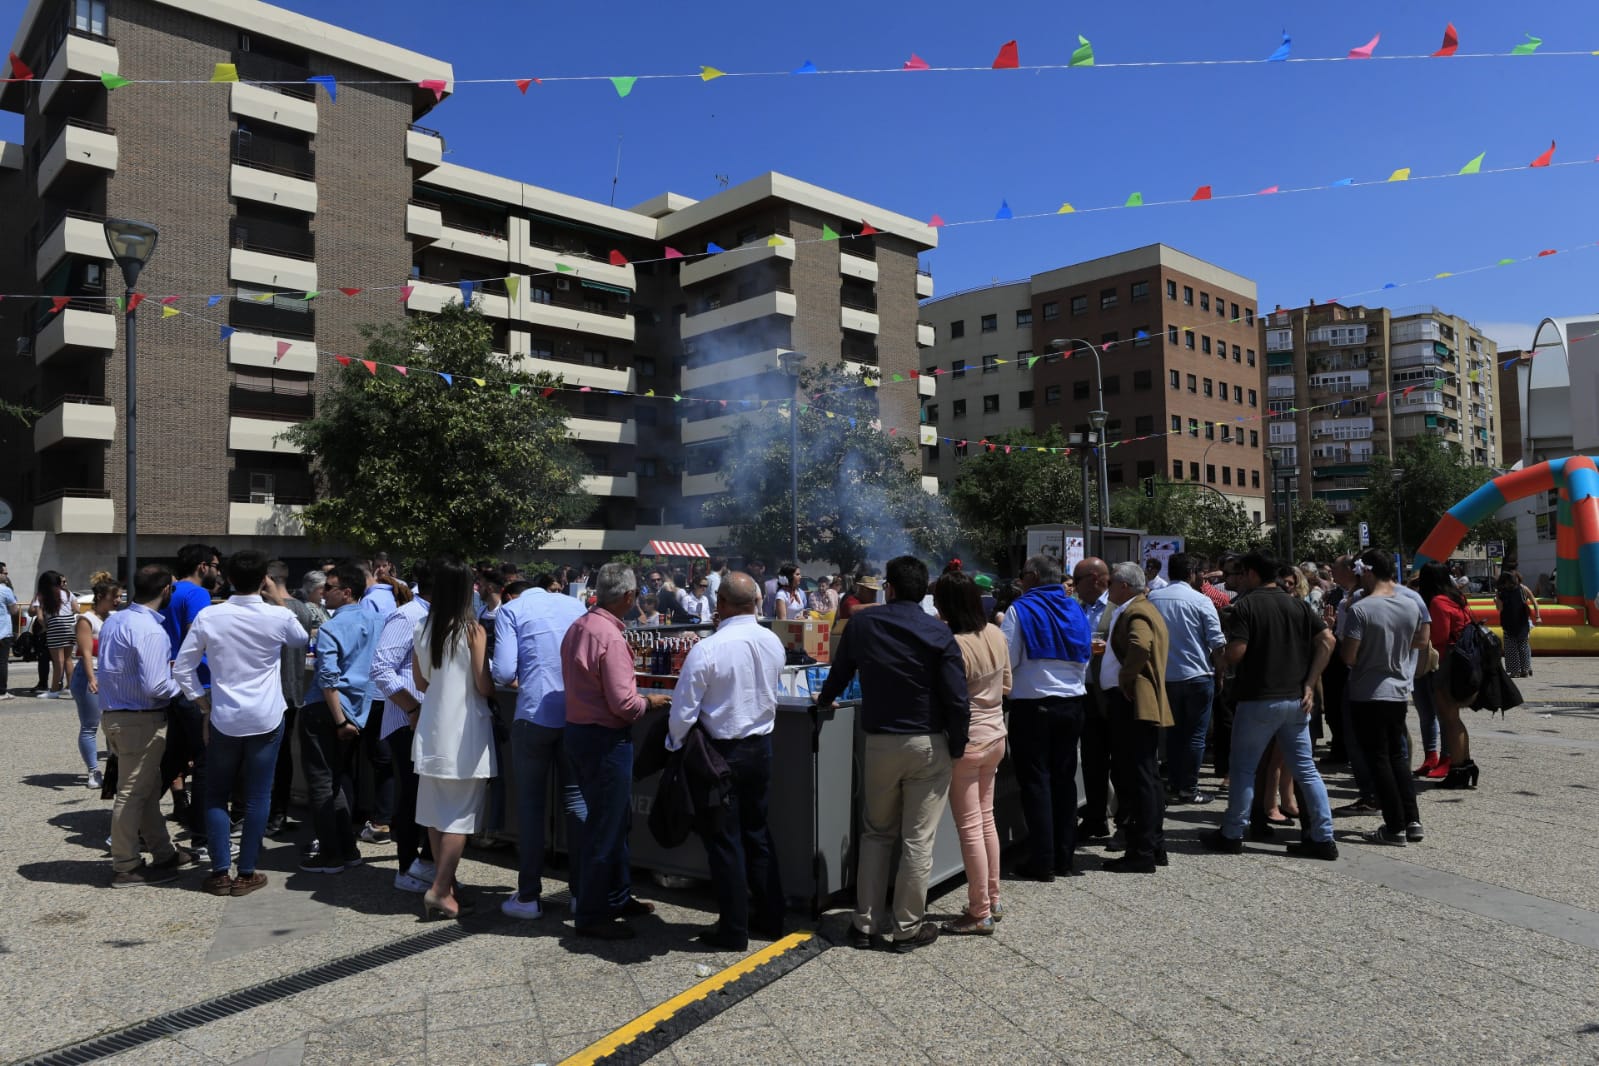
(1478, 945)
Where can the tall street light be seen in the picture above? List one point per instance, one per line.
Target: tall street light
(1097, 419)
(791, 362)
(132, 244)
(1276, 499)
(1398, 473)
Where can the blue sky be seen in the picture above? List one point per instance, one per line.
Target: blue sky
(958, 143)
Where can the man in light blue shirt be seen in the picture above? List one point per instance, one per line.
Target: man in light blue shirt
(396, 694)
(8, 633)
(527, 653)
(1193, 630)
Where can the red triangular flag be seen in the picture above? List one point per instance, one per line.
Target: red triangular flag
(283, 349)
(892, 430)
(1547, 251)
(549, 392)
(1201, 193)
(1451, 41)
(405, 292)
(371, 367)
(350, 292)
(618, 259)
(434, 85)
(170, 299)
(915, 374)
(1007, 58)
(58, 302)
(343, 360)
(404, 372)
(867, 229)
(1408, 391)
(1544, 160)
(20, 71)
(936, 221)
(523, 83)
(915, 62)
(673, 253)
(134, 301)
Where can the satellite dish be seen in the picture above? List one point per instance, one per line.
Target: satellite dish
(6, 514)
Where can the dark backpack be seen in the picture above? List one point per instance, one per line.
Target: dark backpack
(1466, 658)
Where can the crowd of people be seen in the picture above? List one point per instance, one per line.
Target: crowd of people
(1130, 672)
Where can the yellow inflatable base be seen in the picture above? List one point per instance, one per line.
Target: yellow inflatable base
(1562, 640)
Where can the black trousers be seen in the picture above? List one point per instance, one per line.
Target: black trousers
(186, 744)
(329, 764)
(1333, 680)
(1140, 797)
(283, 772)
(738, 842)
(1043, 745)
(409, 841)
(5, 664)
(1381, 732)
(379, 762)
(1221, 727)
(1095, 744)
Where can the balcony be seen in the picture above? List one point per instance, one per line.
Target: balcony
(270, 403)
(424, 221)
(431, 297)
(714, 266)
(424, 147)
(736, 369)
(708, 428)
(595, 377)
(482, 244)
(259, 435)
(777, 302)
(80, 56)
(75, 418)
(924, 285)
(582, 266)
(277, 157)
(76, 234)
(268, 187)
(271, 486)
(704, 484)
(253, 66)
(854, 266)
(254, 349)
(616, 326)
(265, 520)
(600, 431)
(926, 335)
(926, 385)
(277, 272)
(77, 327)
(273, 238)
(267, 318)
(1419, 403)
(859, 319)
(75, 511)
(262, 104)
(80, 147)
(610, 484)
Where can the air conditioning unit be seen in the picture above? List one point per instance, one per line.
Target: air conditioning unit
(24, 345)
(563, 283)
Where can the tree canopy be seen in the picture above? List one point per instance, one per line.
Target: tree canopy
(997, 495)
(1436, 475)
(413, 465)
(860, 489)
(1208, 521)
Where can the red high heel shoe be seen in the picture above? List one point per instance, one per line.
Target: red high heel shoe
(1427, 765)
(1440, 771)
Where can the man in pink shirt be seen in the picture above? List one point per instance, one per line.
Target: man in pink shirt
(602, 703)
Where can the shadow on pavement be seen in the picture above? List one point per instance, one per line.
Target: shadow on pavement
(59, 782)
(87, 828)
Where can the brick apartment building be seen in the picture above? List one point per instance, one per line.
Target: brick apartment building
(266, 192)
(1182, 368)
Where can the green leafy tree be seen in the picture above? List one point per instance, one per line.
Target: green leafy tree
(1315, 533)
(997, 495)
(1436, 475)
(412, 465)
(1208, 521)
(860, 489)
(25, 415)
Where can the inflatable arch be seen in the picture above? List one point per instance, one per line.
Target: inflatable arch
(1576, 478)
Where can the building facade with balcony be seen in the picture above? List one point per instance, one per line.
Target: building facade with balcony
(1177, 346)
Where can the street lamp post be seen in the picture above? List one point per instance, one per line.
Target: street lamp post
(1398, 473)
(132, 244)
(1084, 442)
(1276, 498)
(791, 362)
(1097, 419)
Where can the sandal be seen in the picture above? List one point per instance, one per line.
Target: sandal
(969, 926)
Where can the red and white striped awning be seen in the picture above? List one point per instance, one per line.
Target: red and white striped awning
(680, 548)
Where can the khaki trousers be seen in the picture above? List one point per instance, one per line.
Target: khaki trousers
(138, 739)
(905, 784)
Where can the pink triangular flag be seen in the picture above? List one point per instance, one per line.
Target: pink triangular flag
(1365, 50)
(673, 253)
(404, 372)
(405, 292)
(1267, 190)
(618, 259)
(915, 62)
(586, 388)
(1008, 58)
(936, 221)
(1544, 160)
(434, 85)
(283, 349)
(170, 299)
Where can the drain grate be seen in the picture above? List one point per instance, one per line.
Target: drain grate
(232, 1003)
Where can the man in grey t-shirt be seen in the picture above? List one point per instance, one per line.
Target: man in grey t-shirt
(1382, 631)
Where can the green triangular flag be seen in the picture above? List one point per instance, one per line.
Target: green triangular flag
(515, 389)
(1475, 166)
(623, 85)
(1135, 200)
(676, 398)
(118, 301)
(113, 81)
(828, 233)
(563, 268)
(1528, 48)
(1504, 262)
(899, 377)
(313, 294)
(1084, 55)
(1031, 360)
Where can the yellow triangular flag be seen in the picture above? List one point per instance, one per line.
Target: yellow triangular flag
(168, 311)
(263, 297)
(511, 285)
(1066, 209)
(710, 73)
(479, 382)
(650, 392)
(774, 241)
(1402, 174)
(225, 72)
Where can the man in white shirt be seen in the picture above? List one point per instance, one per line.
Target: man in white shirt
(697, 600)
(242, 641)
(729, 688)
(398, 704)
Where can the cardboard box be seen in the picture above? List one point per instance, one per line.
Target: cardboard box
(809, 636)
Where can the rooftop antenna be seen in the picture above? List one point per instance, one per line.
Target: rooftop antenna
(722, 180)
(616, 176)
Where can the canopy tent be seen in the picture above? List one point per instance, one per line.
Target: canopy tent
(679, 548)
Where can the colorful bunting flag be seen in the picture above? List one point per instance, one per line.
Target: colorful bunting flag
(134, 301)
(58, 302)
(227, 331)
(1402, 174)
(1344, 181)
(449, 380)
(1547, 251)
(1284, 50)
(623, 85)
(1135, 200)
(1528, 47)
(512, 284)
(1201, 193)
(673, 253)
(562, 268)
(774, 241)
(20, 71)
(1365, 50)
(712, 248)
(1004, 211)
(342, 360)
(915, 62)
(113, 81)
(403, 371)
(170, 299)
(1504, 262)
(405, 293)
(328, 82)
(1268, 190)
(867, 229)
(523, 83)
(936, 222)
(436, 86)
(467, 289)
(310, 295)
(1475, 166)
(350, 291)
(1544, 160)
(1008, 58)
(283, 349)
(170, 312)
(1451, 42)
(371, 367)
(1083, 54)
(225, 72)
(806, 67)
(710, 73)
(479, 382)
(1066, 209)
(212, 301)
(617, 258)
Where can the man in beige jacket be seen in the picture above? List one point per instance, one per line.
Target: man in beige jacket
(1133, 677)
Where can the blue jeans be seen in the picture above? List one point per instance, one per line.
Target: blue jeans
(1185, 741)
(536, 752)
(255, 759)
(1255, 723)
(602, 759)
(88, 718)
(1428, 716)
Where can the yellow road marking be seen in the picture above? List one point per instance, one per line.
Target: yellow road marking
(655, 1015)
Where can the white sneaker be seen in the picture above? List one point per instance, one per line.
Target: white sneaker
(528, 910)
(422, 871)
(6, 696)
(406, 883)
(96, 780)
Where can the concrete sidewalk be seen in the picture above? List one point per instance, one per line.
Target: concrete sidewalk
(1479, 944)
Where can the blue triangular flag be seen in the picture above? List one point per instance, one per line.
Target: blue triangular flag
(852, 423)
(1004, 211)
(1344, 181)
(806, 67)
(327, 82)
(712, 248)
(467, 288)
(228, 331)
(1282, 50)
(448, 380)
(212, 301)
(1141, 335)
(1390, 285)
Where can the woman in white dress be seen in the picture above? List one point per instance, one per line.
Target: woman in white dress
(454, 744)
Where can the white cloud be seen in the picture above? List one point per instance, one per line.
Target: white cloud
(1509, 334)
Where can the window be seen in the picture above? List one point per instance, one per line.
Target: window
(1249, 316)
(1171, 290)
(1176, 423)
(1051, 395)
(1237, 355)
(1024, 400)
(1143, 380)
(1188, 339)
(88, 16)
(1240, 477)
(1254, 479)
(1210, 431)
(1171, 335)
(958, 408)
(932, 455)
(991, 403)
(1204, 345)
(1188, 295)
(1079, 306)
(1209, 388)
(990, 323)
(932, 414)
(1226, 475)
(1024, 319)
(1254, 438)
(1204, 301)
(1113, 385)
(1175, 378)
(958, 368)
(1139, 291)
(1107, 299)
(1144, 425)
(1193, 383)
(1221, 308)
(990, 364)
(1193, 471)
(1226, 433)
(1146, 469)
(1193, 427)
(1210, 473)
(1023, 358)
(1235, 312)
(1079, 390)
(1221, 389)
(1238, 394)
(1253, 399)
(1176, 464)
(1141, 337)
(957, 329)
(1113, 473)
(1051, 311)
(1249, 354)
